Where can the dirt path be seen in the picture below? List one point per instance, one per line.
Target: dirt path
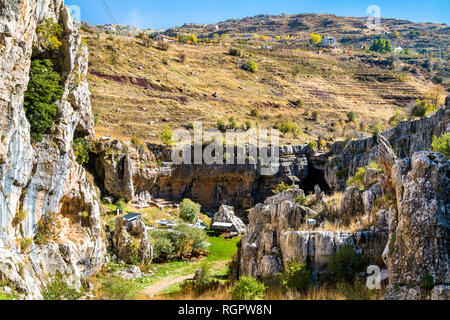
(158, 287)
(153, 290)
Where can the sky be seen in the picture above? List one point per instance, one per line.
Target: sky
(151, 14)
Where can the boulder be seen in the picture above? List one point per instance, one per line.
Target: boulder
(130, 241)
(226, 214)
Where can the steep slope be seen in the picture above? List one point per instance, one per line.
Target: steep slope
(138, 89)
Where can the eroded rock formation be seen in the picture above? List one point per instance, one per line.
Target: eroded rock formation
(38, 178)
(276, 234)
(226, 214)
(418, 248)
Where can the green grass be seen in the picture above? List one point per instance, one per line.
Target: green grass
(222, 249)
(4, 297)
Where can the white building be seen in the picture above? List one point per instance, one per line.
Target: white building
(163, 38)
(398, 50)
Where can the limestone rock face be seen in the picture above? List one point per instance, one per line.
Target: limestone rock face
(130, 240)
(226, 214)
(147, 173)
(419, 225)
(276, 235)
(406, 139)
(37, 178)
(352, 203)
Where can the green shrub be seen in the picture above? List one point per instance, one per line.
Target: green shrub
(168, 246)
(121, 205)
(427, 282)
(358, 178)
(301, 200)
(44, 89)
(25, 243)
(48, 33)
(344, 265)
(232, 123)
(248, 289)
(351, 116)
(58, 289)
(442, 144)
(254, 113)
(45, 229)
(421, 109)
(235, 52)
(221, 125)
(163, 248)
(312, 145)
(136, 142)
(288, 127)
(189, 211)
(376, 128)
(296, 277)
(250, 66)
(167, 136)
(282, 187)
(81, 150)
(120, 289)
(248, 125)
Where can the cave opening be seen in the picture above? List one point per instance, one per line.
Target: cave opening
(315, 177)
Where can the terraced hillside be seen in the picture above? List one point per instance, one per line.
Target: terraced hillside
(137, 88)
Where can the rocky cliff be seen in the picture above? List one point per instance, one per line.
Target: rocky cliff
(42, 181)
(146, 172)
(418, 250)
(406, 139)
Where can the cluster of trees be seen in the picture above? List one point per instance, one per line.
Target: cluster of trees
(381, 45)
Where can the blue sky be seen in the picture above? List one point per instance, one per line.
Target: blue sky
(169, 13)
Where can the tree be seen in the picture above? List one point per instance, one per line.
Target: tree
(167, 136)
(435, 95)
(381, 45)
(192, 38)
(44, 89)
(315, 39)
(189, 211)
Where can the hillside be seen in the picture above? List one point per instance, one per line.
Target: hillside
(202, 82)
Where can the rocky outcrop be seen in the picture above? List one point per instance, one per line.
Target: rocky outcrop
(226, 214)
(406, 139)
(131, 243)
(37, 178)
(418, 247)
(276, 234)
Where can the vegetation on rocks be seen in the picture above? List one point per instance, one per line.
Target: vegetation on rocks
(58, 289)
(44, 89)
(49, 33)
(442, 144)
